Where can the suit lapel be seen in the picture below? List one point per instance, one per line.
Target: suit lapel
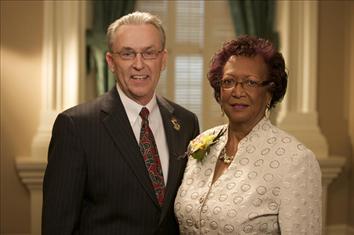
(119, 128)
(175, 164)
(117, 124)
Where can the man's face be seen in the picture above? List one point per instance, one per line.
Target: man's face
(137, 77)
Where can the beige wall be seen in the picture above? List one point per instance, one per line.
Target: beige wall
(21, 42)
(334, 100)
(351, 112)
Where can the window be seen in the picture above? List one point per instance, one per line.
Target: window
(195, 30)
(188, 82)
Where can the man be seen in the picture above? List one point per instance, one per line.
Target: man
(100, 178)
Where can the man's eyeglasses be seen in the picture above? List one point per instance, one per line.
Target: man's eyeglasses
(248, 84)
(131, 54)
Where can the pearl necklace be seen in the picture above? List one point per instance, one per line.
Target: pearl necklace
(223, 157)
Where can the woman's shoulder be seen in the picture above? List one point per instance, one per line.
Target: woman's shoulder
(290, 143)
(213, 130)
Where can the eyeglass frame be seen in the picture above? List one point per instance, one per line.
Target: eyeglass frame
(135, 53)
(250, 84)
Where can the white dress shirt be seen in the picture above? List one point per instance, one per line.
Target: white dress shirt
(155, 122)
(272, 186)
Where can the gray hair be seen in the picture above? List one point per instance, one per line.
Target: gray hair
(135, 18)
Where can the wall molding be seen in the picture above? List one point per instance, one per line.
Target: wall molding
(331, 167)
(31, 171)
(339, 229)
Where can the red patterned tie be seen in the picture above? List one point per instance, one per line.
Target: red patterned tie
(151, 156)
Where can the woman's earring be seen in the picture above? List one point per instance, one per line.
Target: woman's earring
(267, 111)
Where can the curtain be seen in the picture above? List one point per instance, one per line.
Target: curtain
(104, 13)
(254, 17)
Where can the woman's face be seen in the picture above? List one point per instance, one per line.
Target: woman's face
(245, 104)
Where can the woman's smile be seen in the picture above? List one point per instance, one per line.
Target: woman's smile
(239, 107)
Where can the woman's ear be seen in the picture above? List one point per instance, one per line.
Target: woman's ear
(268, 99)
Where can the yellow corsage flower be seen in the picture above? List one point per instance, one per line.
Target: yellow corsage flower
(200, 147)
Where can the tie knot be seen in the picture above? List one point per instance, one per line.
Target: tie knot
(144, 113)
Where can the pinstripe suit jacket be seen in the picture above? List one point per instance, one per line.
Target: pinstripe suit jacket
(96, 181)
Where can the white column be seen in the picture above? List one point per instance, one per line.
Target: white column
(299, 41)
(62, 66)
(298, 27)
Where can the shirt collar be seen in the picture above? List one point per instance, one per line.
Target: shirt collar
(132, 108)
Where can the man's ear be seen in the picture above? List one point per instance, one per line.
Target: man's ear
(164, 59)
(109, 60)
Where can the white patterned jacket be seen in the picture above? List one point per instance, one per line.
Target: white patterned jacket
(273, 186)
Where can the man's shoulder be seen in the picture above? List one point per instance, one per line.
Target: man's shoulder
(87, 108)
(172, 106)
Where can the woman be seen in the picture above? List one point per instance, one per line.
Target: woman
(249, 177)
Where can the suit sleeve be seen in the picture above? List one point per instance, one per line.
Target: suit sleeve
(300, 209)
(64, 179)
